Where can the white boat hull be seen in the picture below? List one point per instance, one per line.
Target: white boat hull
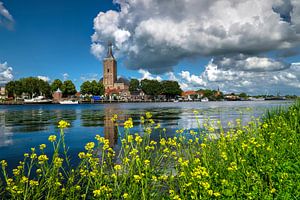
(68, 102)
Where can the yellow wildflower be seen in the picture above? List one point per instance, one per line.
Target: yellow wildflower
(89, 146)
(77, 187)
(125, 195)
(42, 159)
(163, 142)
(117, 167)
(3, 163)
(148, 115)
(129, 138)
(147, 162)
(142, 119)
(52, 138)
(148, 130)
(153, 142)
(114, 118)
(63, 124)
(138, 139)
(33, 156)
(273, 190)
(137, 178)
(100, 139)
(24, 179)
(232, 167)
(224, 155)
(58, 162)
(42, 146)
(128, 124)
(114, 176)
(210, 192)
(57, 183)
(97, 193)
(154, 178)
(126, 160)
(33, 183)
(16, 172)
(217, 194)
(81, 155)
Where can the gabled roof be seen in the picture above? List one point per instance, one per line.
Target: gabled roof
(190, 92)
(123, 80)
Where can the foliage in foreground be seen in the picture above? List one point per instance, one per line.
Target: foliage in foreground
(257, 161)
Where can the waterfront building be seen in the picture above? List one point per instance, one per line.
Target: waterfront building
(57, 95)
(192, 95)
(113, 85)
(2, 92)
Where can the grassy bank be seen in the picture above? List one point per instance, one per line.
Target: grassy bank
(257, 161)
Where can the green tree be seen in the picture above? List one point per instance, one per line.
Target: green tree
(170, 89)
(44, 88)
(11, 88)
(56, 84)
(68, 88)
(31, 86)
(243, 95)
(134, 85)
(86, 88)
(97, 88)
(151, 87)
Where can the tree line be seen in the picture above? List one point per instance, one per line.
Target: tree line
(33, 87)
(154, 87)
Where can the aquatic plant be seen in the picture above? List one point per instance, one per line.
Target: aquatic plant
(258, 161)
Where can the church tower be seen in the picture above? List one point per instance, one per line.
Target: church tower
(109, 69)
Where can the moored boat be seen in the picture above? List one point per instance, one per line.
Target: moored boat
(205, 99)
(69, 102)
(37, 100)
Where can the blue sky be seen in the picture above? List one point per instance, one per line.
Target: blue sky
(155, 40)
(51, 38)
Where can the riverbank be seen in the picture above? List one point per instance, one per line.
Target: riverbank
(120, 101)
(258, 161)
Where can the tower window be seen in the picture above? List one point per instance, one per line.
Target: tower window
(107, 70)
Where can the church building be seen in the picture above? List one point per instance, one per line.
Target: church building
(112, 84)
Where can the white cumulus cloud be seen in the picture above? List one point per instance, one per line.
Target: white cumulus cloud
(90, 77)
(6, 19)
(155, 35)
(147, 75)
(65, 76)
(6, 73)
(286, 81)
(44, 78)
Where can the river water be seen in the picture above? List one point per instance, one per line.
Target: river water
(26, 126)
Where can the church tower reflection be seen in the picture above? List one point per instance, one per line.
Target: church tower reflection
(110, 130)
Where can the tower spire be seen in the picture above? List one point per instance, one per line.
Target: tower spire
(109, 51)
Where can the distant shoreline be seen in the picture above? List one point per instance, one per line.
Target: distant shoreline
(116, 102)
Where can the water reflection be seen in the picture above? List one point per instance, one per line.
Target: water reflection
(37, 120)
(110, 130)
(5, 132)
(92, 118)
(22, 127)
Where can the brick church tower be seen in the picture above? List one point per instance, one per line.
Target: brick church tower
(109, 69)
